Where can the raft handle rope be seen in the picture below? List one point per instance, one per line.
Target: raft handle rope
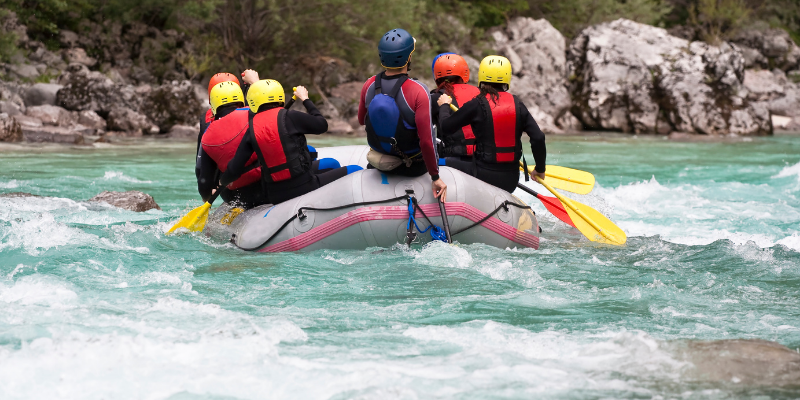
(437, 233)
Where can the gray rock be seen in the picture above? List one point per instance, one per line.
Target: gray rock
(127, 120)
(91, 119)
(68, 38)
(15, 195)
(171, 104)
(52, 115)
(773, 48)
(349, 92)
(183, 132)
(339, 126)
(23, 71)
(10, 108)
(10, 130)
(631, 77)
(41, 94)
(131, 200)
(25, 120)
(537, 54)
(79, 56)
(774, 91)
(51, 134)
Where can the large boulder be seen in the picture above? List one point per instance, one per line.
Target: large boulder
(173, 103)
(52, 115)
(92, 120)
(10, 130)
(630, 77)
(91, 90)
(774, 91)
(126, 120)
(42, 94)
(51, 134)
(131, 200)
(537, 53)
(768, 48)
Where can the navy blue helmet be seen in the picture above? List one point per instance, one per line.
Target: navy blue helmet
(395, 48)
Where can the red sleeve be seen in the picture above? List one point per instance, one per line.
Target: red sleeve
(419, 100)
(362, 101)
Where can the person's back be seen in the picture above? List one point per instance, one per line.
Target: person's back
(396, 112)
(218, 145)
(451, 74)
(276, 136)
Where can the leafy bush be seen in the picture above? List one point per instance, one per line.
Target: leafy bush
(716, 20)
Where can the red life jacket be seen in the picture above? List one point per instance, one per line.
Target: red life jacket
(461, 143)
(209, 116)
(498, 141)
(221, 140)
(285, 157)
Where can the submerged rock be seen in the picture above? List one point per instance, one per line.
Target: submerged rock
(740, 361)
(632, 77)
(132, 200)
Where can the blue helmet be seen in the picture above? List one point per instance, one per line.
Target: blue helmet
(395, 48)
(433, 64)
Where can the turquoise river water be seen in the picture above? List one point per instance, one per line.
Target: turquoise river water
(97, 303)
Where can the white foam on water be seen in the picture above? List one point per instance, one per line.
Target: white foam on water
(789, 171)
(792, 242)
(12, 184)
(440, 254)
(120, 176)
(38, 289)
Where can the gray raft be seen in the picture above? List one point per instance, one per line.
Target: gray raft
(369, 208)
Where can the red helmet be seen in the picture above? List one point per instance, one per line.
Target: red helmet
(451, 65)
(221, 77)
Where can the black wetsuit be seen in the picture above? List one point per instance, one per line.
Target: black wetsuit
(208, 175)
(297, 124)
(502, 175)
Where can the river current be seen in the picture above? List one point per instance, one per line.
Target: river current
(97, 303)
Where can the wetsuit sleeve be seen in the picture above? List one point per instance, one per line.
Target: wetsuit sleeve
(435, 111)
(362, 101)
(419, 100)
(206, 174)
(451, 122)
(203, 126)
(312, 123)
(529, 126)
(238, 164)
(245, 88)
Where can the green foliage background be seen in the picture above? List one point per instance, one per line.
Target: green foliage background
(295, 38)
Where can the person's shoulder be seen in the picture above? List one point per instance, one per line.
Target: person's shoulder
(415, 81)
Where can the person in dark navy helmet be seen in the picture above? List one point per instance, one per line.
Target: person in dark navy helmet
(396, 111)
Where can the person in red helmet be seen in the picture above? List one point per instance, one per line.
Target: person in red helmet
(208, 117)
(451, 73)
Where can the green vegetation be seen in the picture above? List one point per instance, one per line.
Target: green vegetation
(323, 39)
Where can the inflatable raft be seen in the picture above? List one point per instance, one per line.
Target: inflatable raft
(369, 208)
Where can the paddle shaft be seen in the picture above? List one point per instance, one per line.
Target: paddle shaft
(528, 190)
(577, 210)
(445, 223)
(290, 103)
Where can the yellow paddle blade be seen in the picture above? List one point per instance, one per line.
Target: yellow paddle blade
(194, 221)
(595, 226)
(571, 180)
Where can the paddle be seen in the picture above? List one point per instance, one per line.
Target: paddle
(571, 180)
(595, 226)
(445, 223)
(552, 204)
(290, 103)
(196, 219)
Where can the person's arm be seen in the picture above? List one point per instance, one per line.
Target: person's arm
(435, 112)
(238, 164)
(421, 104)
(538, 148)
(206, 173)
(450, 122)
(312, 123)
(362, 101)
(203, 126)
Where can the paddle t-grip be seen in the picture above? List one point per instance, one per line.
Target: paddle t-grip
(290, 103)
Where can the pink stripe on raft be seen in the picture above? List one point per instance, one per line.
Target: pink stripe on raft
(367, 214)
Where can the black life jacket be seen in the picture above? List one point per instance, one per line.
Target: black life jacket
(282, 156)
(387, 131)
(462, 142)
(497, 141)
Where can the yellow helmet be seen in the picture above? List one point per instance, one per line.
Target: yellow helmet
(263, 92)
(495, 69)
(225, 93)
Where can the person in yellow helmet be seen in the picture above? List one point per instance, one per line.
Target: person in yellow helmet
(277, 138)
(498, 120)
(219, 144)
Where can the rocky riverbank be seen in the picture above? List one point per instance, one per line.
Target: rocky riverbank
(619, 76)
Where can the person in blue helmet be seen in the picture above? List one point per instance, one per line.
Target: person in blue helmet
(396, 111)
